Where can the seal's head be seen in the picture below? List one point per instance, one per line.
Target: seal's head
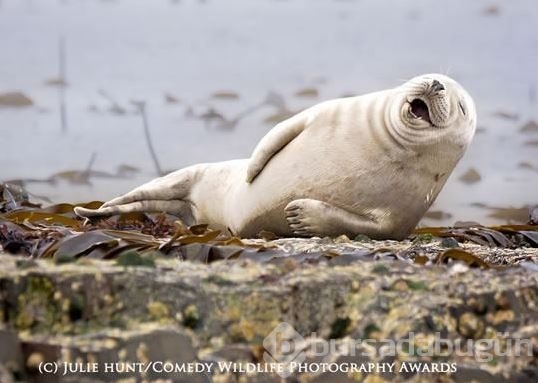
(434, 107)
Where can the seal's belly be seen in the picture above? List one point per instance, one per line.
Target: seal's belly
(338, 171)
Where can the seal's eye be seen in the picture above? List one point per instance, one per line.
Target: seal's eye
(462, 108)
(420, 110)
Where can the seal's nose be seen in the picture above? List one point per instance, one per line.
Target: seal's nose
(437, 86)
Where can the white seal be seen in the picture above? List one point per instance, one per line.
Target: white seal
(371, 165)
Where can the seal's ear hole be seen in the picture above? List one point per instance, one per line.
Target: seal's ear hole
(462, 108)
(420, 109)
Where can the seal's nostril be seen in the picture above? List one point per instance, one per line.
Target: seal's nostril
(437, 86)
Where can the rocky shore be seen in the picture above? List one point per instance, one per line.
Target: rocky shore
(96, 312)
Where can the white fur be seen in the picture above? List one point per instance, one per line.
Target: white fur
(358, 165)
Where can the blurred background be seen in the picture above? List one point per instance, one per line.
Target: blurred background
(79, 78)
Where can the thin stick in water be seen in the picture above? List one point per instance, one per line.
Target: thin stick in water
(141, 106)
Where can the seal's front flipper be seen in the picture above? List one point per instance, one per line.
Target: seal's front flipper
(310, 217)
(274, 141)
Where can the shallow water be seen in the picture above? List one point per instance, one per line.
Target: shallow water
(124, 50)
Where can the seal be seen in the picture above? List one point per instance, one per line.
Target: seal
(371, 164)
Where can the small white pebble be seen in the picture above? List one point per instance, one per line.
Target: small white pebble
(458, 268)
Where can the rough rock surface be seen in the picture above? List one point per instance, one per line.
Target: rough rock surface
(95, 311)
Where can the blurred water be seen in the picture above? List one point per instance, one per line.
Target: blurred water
(123, 50)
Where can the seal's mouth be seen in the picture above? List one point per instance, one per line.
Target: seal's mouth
(419, 109)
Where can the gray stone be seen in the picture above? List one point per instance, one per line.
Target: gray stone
(93, 310)
(11, 361)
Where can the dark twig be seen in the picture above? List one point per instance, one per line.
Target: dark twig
(141, 106)
(230, 124)
(88, 170)
(272, 99)
(115, 107)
